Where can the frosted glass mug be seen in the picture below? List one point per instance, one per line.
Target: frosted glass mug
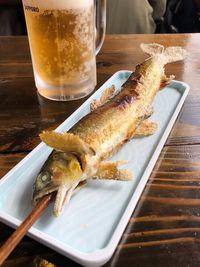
(63, 35)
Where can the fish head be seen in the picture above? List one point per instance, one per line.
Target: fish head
(62, 173)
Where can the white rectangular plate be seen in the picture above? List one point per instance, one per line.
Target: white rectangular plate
(91, 225)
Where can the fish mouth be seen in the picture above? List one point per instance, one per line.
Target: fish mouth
(63, 174)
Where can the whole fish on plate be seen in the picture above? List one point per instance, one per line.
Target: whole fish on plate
(80, 153)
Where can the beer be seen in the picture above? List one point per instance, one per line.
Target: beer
(62, 42)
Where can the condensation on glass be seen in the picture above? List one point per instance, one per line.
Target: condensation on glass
(62, 38)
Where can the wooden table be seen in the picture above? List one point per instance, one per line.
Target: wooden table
(164, 230)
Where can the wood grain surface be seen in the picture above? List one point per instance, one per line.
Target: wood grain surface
(164, 229)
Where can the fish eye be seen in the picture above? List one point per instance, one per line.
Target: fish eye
(44, 177)
(42, 180)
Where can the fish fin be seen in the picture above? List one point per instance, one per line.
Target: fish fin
(145, 112)
(146, 128)
(106, 95)
(74, 189)
(152, 49)
(66, 142)
(175, 53)
(80, 186)
(64, 195)
(149, 112)
(68, 195)
(166, 80)
(59, 202)
(169, 54)
(110, 171)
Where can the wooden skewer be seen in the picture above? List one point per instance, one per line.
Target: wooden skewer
(20, 232)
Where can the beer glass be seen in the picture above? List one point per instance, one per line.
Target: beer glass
(63, 35)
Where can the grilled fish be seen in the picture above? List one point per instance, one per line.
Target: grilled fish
(80, 153)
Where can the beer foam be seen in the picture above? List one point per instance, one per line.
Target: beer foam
(58, 4)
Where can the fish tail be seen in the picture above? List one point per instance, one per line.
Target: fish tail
(168, 55)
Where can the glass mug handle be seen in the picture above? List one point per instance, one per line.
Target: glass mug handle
(100, 23)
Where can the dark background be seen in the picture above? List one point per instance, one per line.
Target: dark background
(182, 16)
